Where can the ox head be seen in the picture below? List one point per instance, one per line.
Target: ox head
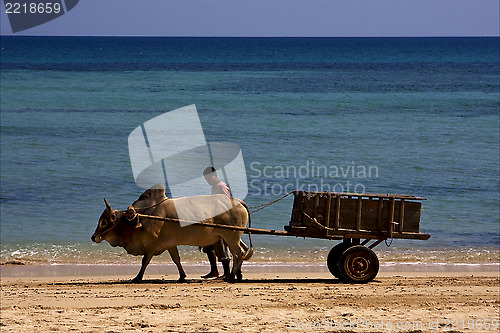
(108, 220)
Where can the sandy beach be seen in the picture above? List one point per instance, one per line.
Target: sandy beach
(262, 302)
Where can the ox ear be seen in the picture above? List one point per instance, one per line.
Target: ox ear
(108, 206)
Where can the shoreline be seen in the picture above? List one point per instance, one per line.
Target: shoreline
(15, 269)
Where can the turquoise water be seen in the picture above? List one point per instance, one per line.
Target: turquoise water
(421, 113)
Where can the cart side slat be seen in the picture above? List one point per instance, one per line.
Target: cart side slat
(390, 222)
(316, 206)
(327, 210)
(401, 214)
(358, 213)
(337, 213)
(380, 206)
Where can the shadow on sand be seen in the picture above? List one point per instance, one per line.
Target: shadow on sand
(203, 282)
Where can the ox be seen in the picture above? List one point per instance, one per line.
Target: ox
(150, 237)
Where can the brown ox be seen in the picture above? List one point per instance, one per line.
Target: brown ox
(150, 237)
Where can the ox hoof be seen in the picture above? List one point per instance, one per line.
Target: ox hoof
(229, 278)
(136, 280)
(211, 275)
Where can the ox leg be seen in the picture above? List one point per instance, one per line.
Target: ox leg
(237, 252)
(174, 254)
(145, 261)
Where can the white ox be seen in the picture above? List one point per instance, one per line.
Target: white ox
(150, 237)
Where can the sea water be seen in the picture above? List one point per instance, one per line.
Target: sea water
(416, 116)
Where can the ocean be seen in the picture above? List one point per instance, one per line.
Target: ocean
(416, 116)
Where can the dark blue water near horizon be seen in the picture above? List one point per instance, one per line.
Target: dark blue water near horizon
(424, 112)
(251, 53)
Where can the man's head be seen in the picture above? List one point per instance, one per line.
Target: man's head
(210, 175)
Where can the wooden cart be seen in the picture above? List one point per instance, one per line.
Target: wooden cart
(352, 217)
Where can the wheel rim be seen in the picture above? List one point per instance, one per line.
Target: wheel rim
(359, 264)
(359, 267)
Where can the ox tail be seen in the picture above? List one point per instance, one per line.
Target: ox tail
(249, 253)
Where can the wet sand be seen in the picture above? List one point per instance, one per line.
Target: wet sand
(262, 302)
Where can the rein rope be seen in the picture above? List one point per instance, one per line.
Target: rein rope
(143, 210)
(153, 205)
(259, 207)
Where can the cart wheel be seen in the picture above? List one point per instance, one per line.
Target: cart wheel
(358, 264)
(333, 258)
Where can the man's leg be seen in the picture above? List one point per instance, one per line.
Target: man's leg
(225, 265)
(212, 258)
(221, 251)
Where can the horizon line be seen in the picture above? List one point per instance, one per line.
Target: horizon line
(194, 36)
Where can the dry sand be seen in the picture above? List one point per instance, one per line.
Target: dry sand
(263, 302)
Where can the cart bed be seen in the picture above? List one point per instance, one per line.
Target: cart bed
(355, 215)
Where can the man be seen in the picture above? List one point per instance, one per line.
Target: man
(219, 249)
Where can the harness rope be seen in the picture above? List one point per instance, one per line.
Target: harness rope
(259, 207)
(136, 215)
(388, 244)
(144, 209)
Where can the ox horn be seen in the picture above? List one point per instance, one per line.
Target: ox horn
(108, 206)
